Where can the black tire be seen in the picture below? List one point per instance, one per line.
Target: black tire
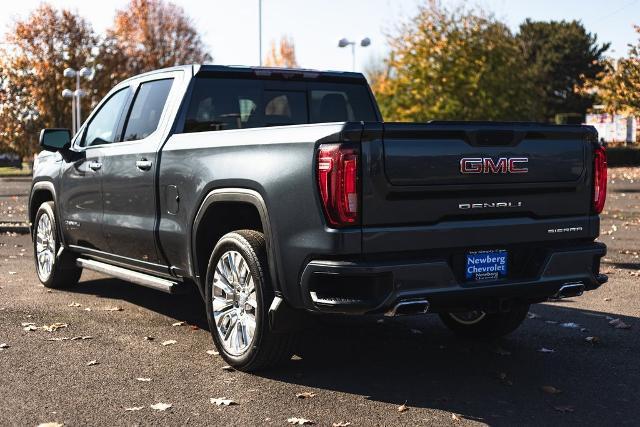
(491, 326)
(266, 348)
(63, 273)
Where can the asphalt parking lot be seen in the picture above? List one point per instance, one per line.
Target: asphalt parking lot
(572, 362)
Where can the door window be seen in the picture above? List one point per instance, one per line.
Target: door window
(103, 126)
(147, 109)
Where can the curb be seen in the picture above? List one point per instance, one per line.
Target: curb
(14, 227)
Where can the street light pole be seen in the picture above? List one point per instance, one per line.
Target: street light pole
(344, 42)
(69, 94)
(260, 32)
(76, 112)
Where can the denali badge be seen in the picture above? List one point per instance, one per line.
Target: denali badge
(466, 206)
(488, 165)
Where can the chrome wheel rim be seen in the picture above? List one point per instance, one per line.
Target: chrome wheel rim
(235, 307)
(468, 317)
(45, 247)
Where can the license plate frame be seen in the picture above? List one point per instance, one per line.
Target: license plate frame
(486, 265)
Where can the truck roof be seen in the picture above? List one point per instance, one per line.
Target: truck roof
(263, 72)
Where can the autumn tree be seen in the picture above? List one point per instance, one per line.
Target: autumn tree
(147, 35)
(283, 54)
(455, 64)
(619, 87)
(561, 57)
(36, 51)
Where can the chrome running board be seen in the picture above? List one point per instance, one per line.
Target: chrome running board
(136, 277)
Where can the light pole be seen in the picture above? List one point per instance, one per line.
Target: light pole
(69, 94)
(260, 31)
(77, 94)
(344, 42)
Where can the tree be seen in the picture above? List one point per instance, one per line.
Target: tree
(147, 35)
(561, 57)
(37, 49)
(283, 55)
(459, 65)
(619, 87)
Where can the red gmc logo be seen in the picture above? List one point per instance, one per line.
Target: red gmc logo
(488, 165)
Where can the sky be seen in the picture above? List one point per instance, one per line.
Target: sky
(230, 27)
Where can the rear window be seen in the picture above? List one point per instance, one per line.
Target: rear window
(220, 104)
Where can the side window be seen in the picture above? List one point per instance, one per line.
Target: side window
(103, 126)
(147, 109)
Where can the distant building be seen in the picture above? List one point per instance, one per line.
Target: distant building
(615, 127)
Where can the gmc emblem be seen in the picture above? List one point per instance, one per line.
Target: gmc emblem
(488, 165)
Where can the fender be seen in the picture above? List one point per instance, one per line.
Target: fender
(244, 195)
(37, 186)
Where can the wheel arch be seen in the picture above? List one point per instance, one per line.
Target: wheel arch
(236, 207)
(42, 191)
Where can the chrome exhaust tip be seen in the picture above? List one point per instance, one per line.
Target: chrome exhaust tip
(407, 307)
(569, 290)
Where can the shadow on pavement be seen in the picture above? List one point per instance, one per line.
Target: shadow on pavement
(415, 360)
(186, 307)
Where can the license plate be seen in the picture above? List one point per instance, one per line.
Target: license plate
(486, 265)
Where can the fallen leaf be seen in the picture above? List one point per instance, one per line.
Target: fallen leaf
(454, 417)
(549, 389)
(134, 408)
(403, 408)
(169, 342)
(227, 368)
(92, 363)
(149, 338)
(177, 324)
(341, 424)
(592, 340)
(30, 328)
(501, 351)
(12, 273)
(546, 350)
(54, 327)
(54, 424)
(570, 325)
(144, 379)
(619, 324)
(113, 309)
(85, 337)
(305, 395)
(161, 406)
(212, 352)
(4, 345)
(300, 421)
(58, 339)
(87, 309)
(607, 299)
(222, 402)
(565, 408)
(23, 324)
(74, 304)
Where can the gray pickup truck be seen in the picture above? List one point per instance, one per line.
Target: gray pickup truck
(281, 193)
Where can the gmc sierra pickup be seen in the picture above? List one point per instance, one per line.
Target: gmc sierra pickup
(281, 192)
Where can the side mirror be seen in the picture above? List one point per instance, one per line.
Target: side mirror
(55, 139)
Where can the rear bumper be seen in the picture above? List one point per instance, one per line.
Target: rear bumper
(376, 287)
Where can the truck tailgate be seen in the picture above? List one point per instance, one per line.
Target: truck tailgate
(425, 174)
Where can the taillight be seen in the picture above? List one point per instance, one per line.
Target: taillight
(599, 178)
(337, 170)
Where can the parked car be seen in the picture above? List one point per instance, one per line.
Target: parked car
(281, 193)
(10, 160)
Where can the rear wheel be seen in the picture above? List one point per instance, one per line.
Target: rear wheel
(481, 325)
(53, 272)
(239, 294)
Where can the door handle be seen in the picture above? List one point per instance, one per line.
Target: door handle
(143, 164)
(94, 166)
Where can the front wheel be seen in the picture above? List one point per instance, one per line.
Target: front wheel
(477, 324)
(239, 294)
(53, 271)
